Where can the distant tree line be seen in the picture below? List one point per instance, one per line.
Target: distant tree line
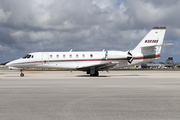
(4, 63)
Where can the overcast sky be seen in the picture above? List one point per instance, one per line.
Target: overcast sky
(60, 25)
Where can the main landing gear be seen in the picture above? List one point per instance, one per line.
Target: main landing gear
(95, 73)
(21, 74)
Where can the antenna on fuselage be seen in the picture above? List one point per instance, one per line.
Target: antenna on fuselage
(71, 50)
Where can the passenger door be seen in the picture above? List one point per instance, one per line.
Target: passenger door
(45, 59)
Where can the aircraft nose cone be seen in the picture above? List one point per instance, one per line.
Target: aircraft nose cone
(8, 64)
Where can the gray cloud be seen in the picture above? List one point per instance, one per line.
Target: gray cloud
(61, 25)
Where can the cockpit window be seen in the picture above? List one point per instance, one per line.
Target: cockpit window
(27, 56)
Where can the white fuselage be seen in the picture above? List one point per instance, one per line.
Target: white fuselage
(75, 60)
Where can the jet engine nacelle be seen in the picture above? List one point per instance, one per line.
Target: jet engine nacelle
(117, 54)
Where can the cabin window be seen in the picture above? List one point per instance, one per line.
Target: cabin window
(27, 56)
(64, 56)
(91, 55)
(57, 56)
(51, 56)
(70, 56)
(77, 55)
(32, 56)
(83, 56)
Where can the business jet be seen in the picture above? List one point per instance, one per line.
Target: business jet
(91, 62)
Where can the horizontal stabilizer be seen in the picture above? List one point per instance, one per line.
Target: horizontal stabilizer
(168, 44)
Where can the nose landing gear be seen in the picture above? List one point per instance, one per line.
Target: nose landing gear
(21, 74)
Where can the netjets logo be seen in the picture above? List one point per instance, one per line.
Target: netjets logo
(151, 41)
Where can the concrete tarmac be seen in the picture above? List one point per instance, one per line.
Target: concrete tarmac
(118, 95)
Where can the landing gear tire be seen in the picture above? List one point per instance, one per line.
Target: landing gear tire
(22, 74)
(95, 74)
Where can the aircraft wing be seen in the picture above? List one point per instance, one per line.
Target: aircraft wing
(98, 67)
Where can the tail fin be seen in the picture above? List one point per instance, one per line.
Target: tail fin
(152, 42)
